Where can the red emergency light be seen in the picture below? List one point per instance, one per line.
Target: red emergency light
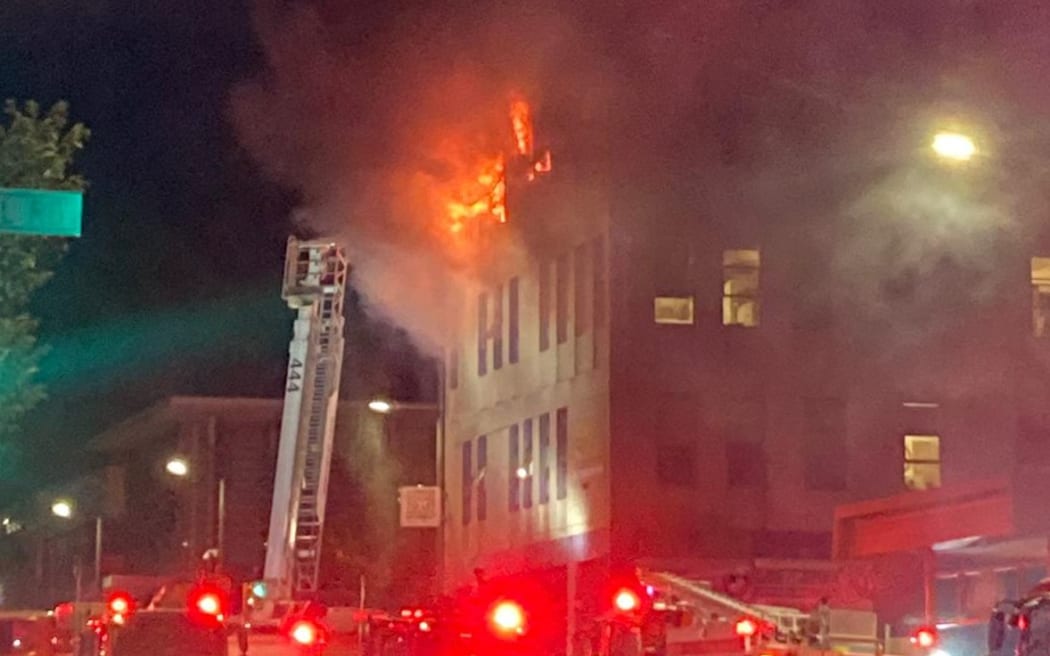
(746, 627)
(207, 604)
(508, 617)
(924, 637)
(120, 605)
(626, 601)
(306, 633)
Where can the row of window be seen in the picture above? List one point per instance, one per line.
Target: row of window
(825, 453)
(741, 299)
(528, 476)
(584, 266)
(740, 294)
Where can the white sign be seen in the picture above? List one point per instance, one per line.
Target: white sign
(420, 506)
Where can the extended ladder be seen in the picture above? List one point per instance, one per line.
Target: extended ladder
(314, 284)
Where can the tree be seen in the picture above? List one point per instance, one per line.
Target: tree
(36, 151)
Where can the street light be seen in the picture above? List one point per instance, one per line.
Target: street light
(177, 467)
(180, 468)
(954, 146)
(62, 508)
(381, 406)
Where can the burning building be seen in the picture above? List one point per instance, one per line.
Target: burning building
(691, 366)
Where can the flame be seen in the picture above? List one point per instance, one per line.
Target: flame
(484, 196)
(521, 122)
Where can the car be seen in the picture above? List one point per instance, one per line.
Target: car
(183, 618)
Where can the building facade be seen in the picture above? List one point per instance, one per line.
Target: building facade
(693, 370)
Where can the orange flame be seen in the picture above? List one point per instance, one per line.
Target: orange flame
(521, 121)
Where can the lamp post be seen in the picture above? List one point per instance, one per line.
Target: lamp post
(179, 467)
(66, 509)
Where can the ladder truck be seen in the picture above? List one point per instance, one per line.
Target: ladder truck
(314, 285)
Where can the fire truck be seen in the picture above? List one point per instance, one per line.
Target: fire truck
(314, 286)
(1025, 621)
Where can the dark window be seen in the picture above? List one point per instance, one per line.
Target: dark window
(747, 464)
(545, 458)
(545, 306)
(497, 328)
(562, 439)
(745, 433)
(483, 461)
(676, 464)
(468, 482)
(512, 312)
(825, 449)
(598, 268)
(579, 284)
(483, 334)
(561, 292)
(453, 367)
(526, 480)
(513, 467)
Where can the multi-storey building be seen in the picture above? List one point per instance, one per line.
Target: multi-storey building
(684, 361)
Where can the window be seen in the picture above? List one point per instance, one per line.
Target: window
(483, 334)
(1033, 438)
(561, 292)
(562, 445)
(526, 477)
(467, 482)
(545, 306)
(824, 448)
(513, 318)
(747, 464)
(514, 470)
(598, 267)
(676, 464)
(580, 290)
(745, 434)
(453, 367)
(673, 309)
(483, 460)
(497, 328)
(1040, 296)
(740, 298)
(922, 462)
(545, 458)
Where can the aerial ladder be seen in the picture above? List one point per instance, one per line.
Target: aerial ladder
(314, 285)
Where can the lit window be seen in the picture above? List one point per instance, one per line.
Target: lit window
(740, 298)
(1040, 296)
(673, 309)
(922, 462)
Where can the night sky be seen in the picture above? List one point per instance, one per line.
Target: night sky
(175, 286)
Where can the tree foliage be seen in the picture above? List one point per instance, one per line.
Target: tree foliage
(36, 151)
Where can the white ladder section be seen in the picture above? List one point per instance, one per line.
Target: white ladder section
(314, 284)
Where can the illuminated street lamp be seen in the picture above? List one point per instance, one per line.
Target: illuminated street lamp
(177, 467)
(62, 508)
(381, 406)
(180, 468)
(953, 146)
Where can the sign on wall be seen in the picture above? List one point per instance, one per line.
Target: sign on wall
(420, 506)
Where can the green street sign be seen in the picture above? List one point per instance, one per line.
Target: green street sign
(41, 212)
